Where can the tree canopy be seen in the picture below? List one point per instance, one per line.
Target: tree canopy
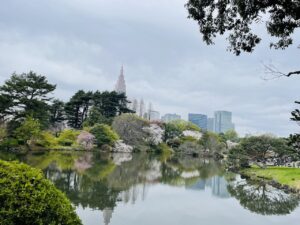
(26, 94)
(237, 17)
(99, 106)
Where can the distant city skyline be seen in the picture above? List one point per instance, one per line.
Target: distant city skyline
(221, 122)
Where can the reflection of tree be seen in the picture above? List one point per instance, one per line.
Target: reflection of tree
(175, 167)
(263, 199)
(93, 180)
(89, 187)
(131, 172)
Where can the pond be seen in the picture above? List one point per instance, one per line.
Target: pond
(134, 189)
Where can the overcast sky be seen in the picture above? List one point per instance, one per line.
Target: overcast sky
(82, 44)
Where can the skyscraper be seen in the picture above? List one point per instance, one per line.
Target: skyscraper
(135, 106)
(198, 119)
(154, 115)
(223, 121)
(210, 124)
(120, 85)
(142, 108)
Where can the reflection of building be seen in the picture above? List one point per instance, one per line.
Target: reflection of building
(134, 193)
(219, 187)
(198, 119)
(170, 117)
(107, 214)
(200, 185)
(120, 85)
(210, 124)
(217, 184)
(223, 121)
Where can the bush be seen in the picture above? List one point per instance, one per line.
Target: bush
(175, 129)
(28, 198)
(104, 135)
(190, 147)
(9, 143)
(68, 137)
(47, 140)
(29, 130)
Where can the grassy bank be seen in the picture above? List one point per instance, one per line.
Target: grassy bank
(281, 175)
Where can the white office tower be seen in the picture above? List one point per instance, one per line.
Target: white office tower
(120, 85)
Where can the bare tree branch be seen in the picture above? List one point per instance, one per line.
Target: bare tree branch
(273, 73)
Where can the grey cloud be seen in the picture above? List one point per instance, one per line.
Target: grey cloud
(82, 44)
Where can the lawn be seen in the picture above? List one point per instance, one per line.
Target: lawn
(283, 175)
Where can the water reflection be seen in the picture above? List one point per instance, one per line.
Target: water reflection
(101, 181)
(261, 198)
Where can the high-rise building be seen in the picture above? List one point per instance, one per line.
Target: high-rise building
(210, 124)
(198, 119)
(120, 85)
(142, 108)
(223, 121)
(170, 117)
(135, 106)
(154, 115)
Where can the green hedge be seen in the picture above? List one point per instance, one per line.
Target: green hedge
(26, 197)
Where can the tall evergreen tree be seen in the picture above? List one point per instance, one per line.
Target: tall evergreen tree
(77, 108)
(111, 104)
(26, 94)
(57, 112)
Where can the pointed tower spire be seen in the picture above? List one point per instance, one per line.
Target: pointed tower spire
(120, 85)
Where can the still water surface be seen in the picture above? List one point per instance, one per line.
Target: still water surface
(135, 189)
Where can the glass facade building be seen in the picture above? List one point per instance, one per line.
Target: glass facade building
(223, 121)
(211, 124)
(198, 119)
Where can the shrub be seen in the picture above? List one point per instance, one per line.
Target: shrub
(29, 130)
(175, 129)
(68, 137)
(28, 198)
(190, 147)
(47, 140)
(174, 143)
(104, 135)
(9, 143)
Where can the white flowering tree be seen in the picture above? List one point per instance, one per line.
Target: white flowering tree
(120, 146)
(192, 133)
(154, 134)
